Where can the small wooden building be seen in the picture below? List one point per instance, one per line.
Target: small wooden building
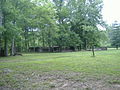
(51, 49)
(101, 48)
(35, 49)
(98, 49)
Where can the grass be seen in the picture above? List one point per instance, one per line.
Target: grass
(20, 69)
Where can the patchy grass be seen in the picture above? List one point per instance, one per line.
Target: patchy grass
(61, 71)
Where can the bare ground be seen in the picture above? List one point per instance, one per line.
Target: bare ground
(60, 80)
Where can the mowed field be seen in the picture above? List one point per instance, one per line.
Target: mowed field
(61, 71)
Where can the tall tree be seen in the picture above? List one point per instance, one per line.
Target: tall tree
(115, 35)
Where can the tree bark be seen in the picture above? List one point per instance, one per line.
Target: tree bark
(0, 33)
(13, 47)
(117, 47)
(85, 44)
(33, 40)
(5, 34)
(43, 41)
(6, 47)
(0, 47)
(93, 51)
(80, 48)
(26, 39)
(0, 43)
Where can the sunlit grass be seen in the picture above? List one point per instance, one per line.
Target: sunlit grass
(106, 63)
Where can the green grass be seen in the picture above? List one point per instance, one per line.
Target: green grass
(106, 63)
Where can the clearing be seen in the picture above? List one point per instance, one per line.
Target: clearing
(61, 71)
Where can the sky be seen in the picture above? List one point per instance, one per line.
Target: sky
(111, 11)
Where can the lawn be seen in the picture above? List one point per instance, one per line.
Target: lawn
(61, 71)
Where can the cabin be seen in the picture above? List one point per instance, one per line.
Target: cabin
(98, 49)
(35, 49)
(101, 49)
(39, 49)
(68, 49)
(52, 49)
(45, 49)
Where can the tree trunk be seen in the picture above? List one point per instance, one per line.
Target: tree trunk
(0, 44)
(5, 34)
(26, 39)
(80, 47)
(60, 48)
(21, 46)
(13, 47)
(6, 47)
(33, 40)
(117, 47)
(85, 44)
(0, 33)
(43, 41)
(93, 51)
(0, 47)
(49, 41)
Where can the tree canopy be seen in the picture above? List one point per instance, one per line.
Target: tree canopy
(47, 23)
(114, 34)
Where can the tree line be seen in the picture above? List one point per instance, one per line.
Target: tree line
(114, 34)
(48, 23)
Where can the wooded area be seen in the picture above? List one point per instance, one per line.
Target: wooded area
(47, 23)
(59, 45)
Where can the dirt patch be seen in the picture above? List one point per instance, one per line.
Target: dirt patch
(59, 80)
(62, 80)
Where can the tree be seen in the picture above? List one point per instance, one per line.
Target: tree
(46, 23)
(115, 35)
(93, 37)
(6, 13)
(84, 12)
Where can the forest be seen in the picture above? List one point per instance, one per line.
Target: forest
(46, 23)
(58, 45)
(26, 24)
